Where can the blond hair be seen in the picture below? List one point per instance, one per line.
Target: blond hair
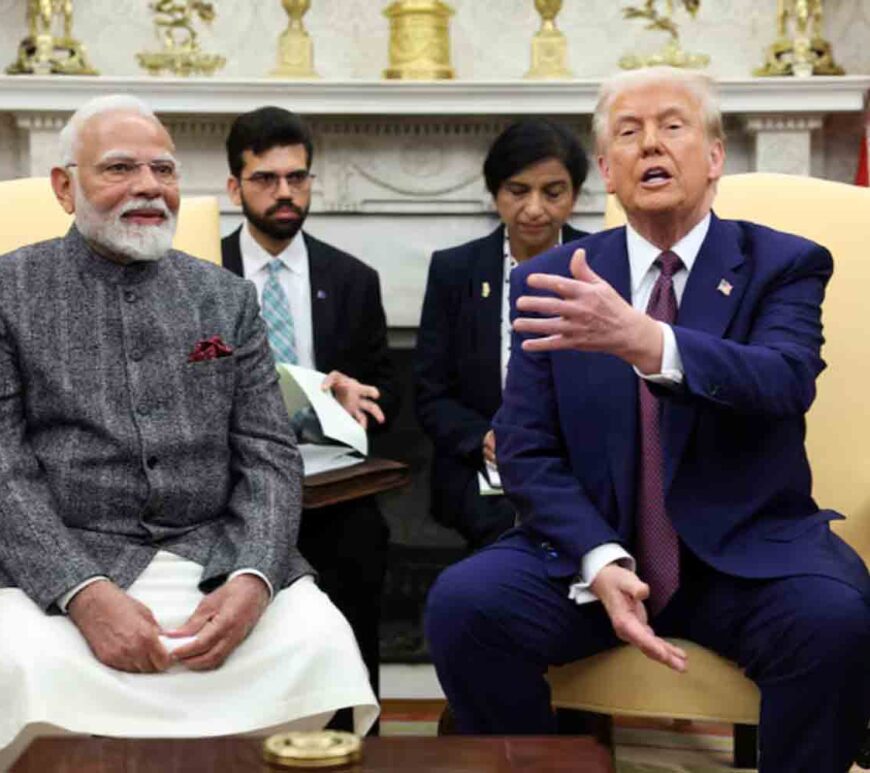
(699, 85)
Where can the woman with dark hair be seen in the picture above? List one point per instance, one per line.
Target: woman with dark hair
(534, 171)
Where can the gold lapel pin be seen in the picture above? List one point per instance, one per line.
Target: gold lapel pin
(484, 290)
(725, 287)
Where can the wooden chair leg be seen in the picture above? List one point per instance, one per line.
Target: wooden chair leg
(447, 722)
(745, 746)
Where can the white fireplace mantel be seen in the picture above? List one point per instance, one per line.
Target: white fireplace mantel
(208, 96)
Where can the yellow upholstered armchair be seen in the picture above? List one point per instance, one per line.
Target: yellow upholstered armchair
(623, 681)
(30, 213)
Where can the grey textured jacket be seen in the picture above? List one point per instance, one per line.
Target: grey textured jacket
(113, 445)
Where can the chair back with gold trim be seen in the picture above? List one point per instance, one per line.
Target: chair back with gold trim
(29, 212)
(836, 215)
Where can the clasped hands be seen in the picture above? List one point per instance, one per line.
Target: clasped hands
(588, 315)
(356, 398)
(123, 633)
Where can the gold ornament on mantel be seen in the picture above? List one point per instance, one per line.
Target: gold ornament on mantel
(43, 52)
(181, 55)
(419, 40)
(549, 45)
(295, 49)
(672, 54)
(805, 52)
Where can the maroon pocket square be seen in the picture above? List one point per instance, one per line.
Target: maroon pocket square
(210, 349)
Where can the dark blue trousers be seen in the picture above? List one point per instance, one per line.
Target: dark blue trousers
(496, 621)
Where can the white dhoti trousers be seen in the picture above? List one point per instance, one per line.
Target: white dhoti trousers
(299, 665)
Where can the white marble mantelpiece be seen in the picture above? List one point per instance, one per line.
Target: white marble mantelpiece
(398, 164)
(213, 96)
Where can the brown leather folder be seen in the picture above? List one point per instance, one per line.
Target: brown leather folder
(371, 476)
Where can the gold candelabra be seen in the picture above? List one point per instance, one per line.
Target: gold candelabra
(50, 47)
(181, 54)
(802, 51)
(672, 53)
(295, 49)
(419, 40)
(549, 45)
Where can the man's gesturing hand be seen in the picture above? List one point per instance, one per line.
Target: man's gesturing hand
(121, 631)
(356, 398)
(623, 594)
(588, 315)
(221, 622)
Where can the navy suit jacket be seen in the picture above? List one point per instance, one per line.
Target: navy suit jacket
(348, 321)
(457, 365)
(737, 479)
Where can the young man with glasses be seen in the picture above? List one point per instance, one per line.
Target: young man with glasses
(323, 310)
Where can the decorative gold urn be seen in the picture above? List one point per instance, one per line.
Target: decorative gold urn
(672, 54)
(419, 40)
(295, 49)
(181, 55)
(804, 52)
(50, 47)
(549, 45)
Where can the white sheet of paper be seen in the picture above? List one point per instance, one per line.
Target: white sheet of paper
(489, 484)
(336, 422)
(171, 644)
(319, 458)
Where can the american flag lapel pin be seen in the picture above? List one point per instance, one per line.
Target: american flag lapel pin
(725, 287)
(484, 290)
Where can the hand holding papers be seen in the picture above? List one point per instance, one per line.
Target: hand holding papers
(335, 472)
(301, 388)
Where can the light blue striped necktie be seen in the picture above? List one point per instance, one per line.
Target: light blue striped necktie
(278, 317)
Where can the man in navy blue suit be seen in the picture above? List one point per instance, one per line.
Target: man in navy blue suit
(651, 437)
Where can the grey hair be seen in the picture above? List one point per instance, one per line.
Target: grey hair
(699, 85)
(110, 103)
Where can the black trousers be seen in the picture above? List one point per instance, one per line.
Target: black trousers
(347, 544)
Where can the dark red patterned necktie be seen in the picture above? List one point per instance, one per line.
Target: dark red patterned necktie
(658, 550)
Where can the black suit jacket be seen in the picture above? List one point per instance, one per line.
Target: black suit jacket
(458, 363)
(348, 321)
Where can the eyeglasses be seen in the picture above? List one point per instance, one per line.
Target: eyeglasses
(268, 182)
(164, 171)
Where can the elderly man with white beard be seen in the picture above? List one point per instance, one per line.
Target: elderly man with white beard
(150, 485)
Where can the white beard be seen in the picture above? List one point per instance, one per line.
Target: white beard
(111, 233)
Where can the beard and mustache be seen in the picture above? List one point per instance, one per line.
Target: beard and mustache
(110, 233)
(276, 229)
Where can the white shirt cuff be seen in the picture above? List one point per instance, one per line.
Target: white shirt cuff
(63, 601)
(256, 574)
(593, 562)
(671, 373)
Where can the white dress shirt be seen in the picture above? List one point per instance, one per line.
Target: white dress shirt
(294, 282)
(644, 273)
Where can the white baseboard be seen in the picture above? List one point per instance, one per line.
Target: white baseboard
(400, 681)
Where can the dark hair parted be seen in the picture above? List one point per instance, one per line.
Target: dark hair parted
(528, 141)
(263, 129)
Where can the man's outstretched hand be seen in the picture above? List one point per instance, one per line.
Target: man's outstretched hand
(622, 593)
(121, 631)
(585, 313)
(221, 622)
